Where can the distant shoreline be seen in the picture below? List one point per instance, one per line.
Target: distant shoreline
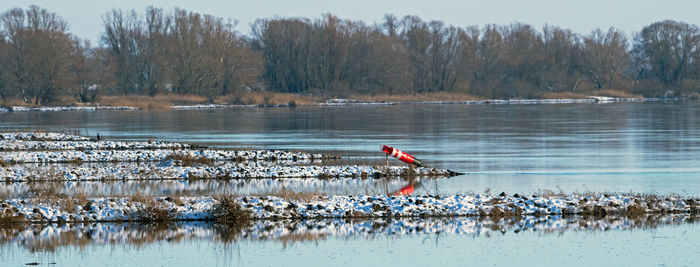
(333, 102)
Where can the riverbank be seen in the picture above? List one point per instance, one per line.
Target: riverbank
(160, 160)
(220, 171)
(157, 160)
(232, 209)
(255, 100)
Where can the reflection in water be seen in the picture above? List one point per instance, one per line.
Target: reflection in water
(334, 186)
(37, 237)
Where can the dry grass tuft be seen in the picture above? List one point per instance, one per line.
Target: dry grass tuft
(563, 95)
(75, 161)
(13, 101)
(140, 198)
(549, 193)
(162, 101)
(175, 200)
(158, 213)
(440, 96)
(7, 163)
(154, 212)
(636, 209)
(80, 199)
(409, 174)
(289, 195)
(229, 211)
(177, 99)
(615, 93)
(496, 214)
(143, 102)
(9, 217)
(266, 98)
(189, 160)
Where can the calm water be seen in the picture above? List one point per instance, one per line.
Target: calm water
(511, 148)
(439, 242)
(675, 245)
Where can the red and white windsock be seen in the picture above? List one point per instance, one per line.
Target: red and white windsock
(398, 154)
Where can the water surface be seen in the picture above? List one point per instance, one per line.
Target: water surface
(645, 148)
(650, 147)
(438, 241)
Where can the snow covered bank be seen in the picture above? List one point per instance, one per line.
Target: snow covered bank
(8, 145)
(219, 106)
(70, 108)
(347, 102)
(140, 208)
(589, 100)
(209, 106)
(40, 147)
(148, 155)
(607, 99)
(51, 236)
(165, 160)
(167, 169)
(41, 136)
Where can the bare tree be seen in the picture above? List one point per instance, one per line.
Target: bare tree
(90, 70)
(667, 48)
(605, 57)
(121, 31)
(5, 67)
(38, 49)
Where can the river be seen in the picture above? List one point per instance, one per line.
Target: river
(639, 148)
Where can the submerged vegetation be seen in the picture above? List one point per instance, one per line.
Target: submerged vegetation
(182, 57)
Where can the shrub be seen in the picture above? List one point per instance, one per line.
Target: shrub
(229, 211)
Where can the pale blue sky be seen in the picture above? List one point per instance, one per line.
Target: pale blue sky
(84, 16)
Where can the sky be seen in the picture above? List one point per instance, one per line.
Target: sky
(582, 16)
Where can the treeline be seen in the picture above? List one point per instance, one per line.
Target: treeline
(156, 52)
(188, 53)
